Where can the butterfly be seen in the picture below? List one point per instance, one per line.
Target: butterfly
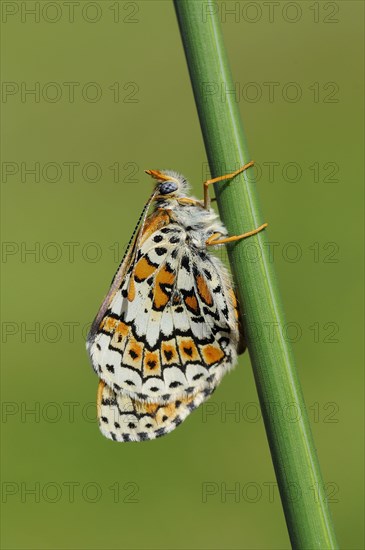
(168, 329)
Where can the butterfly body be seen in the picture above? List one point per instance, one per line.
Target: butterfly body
(168, 330)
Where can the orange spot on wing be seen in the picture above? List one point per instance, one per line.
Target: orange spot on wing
(154, 222)
(133, 354)
(151, 363)
(143, 269)
(122, 328)
(160, 298)
(234, 303)
(121, 332)
(168, 410)
(204, 290)
(135, 348)
(112, 325)
(192, 303)
(160, 412)
(188, 350)
(164, 277)
(108, 324)
(131, 290)
(169, 353)
(150, 408)
(212, 354)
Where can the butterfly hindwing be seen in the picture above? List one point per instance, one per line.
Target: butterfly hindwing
(170, 329)
(123, 418)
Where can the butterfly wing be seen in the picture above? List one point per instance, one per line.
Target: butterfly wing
(170, 330)
(122, 418)
(154, 221)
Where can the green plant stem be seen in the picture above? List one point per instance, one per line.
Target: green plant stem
(296, 465)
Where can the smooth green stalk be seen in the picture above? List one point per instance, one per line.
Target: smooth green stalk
(296, 465)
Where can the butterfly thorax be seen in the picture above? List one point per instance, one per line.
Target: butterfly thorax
(197, 223)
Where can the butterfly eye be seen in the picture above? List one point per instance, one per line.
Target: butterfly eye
(168, 187)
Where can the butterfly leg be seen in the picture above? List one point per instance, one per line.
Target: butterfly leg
(222, 178)
(214, 239)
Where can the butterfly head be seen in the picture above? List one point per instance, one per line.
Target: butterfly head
(169, 184)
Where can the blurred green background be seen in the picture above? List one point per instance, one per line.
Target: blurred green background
(111, 98)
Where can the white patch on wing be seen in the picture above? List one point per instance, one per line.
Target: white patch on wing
(167, 325)
(154, 383)
(184, 280)
(173, 375)
(195, 370)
